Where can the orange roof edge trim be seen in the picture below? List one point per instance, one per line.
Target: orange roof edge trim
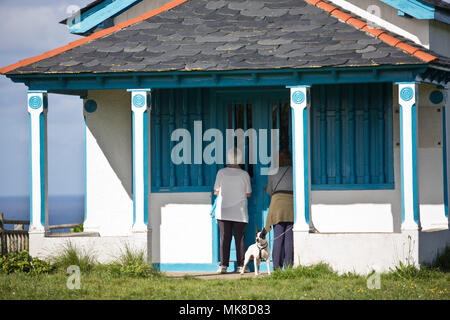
(96, 35)
(380, 34)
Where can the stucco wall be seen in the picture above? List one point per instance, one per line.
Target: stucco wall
(140, 8)
(430, 161)
(431, 34)
(181, 227)
(387, 17)
(109, 207)
(440, 37)
(364, 253)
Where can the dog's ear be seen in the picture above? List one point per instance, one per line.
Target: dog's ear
(263, 233)
(257, 230)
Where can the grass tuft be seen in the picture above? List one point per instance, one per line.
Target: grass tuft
(132, 263)
(321, 270)
(71, 255)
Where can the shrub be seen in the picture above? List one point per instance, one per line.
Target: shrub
(131, 263)
(23, 262)
(78, 228)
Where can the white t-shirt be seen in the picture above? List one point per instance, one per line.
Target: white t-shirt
(233, 185)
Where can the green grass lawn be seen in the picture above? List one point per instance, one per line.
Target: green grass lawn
(130, 277)
(316, 282)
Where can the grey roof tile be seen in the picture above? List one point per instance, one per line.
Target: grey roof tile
(228, 35)
(271, 42)
(213, 5)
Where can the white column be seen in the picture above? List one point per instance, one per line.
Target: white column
(300, 156)
(407, 93)
(446, 115)
(140, 101)
(37, 109)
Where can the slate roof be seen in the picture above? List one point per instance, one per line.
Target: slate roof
(225, 35)
(442, 4)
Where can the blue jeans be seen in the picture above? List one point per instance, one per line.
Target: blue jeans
(283, 245)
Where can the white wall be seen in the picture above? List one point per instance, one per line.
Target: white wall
(430, 162)
(387, 17)
(440, 37)
(102, 249)
(140, 8)
(109, 164)
(181, 227)
(359, 253)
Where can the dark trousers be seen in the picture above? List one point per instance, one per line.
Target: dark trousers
(283, 245)
(228, 229)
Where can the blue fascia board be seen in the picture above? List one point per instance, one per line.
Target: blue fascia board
(414, 8)
(97, 15)
(275, 77)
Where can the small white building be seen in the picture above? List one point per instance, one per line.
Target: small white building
(357, 91)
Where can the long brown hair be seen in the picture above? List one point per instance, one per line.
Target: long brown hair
(285, 158)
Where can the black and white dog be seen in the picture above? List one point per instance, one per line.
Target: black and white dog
(258, 251)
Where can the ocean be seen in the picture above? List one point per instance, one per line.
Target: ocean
(61, 209)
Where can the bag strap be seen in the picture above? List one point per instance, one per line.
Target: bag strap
(275, 189)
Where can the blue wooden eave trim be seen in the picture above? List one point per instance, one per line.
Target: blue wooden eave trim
(274, 77)
(100, 13)
(414, 8)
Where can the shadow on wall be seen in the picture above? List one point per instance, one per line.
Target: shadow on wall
(111, 125)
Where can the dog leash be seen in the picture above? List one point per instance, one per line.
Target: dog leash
(283, 233)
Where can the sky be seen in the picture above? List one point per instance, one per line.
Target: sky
(29, 28)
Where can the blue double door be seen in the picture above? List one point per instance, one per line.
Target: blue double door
(261, 110)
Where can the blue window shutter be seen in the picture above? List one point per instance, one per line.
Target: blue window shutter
(351, 137)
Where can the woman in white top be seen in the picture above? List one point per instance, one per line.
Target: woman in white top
(232, 188)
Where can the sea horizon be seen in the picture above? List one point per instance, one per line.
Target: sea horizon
(62, 209)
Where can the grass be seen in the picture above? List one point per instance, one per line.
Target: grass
(317, 282)
(71, 255)
(101, 285)
(131, 278)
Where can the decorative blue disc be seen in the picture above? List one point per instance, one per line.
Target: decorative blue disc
(90, 106)
(35, 102)
(436, 96)
(138, 100)
(407, 93)
(298, 97)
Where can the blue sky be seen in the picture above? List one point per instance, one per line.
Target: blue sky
(28, 28)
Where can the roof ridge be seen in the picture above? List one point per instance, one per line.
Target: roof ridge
(94, 36)
(377, 33)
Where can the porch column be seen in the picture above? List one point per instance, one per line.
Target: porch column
(446, 146)
(300, 155)
(140, 101)
(37, 109)
(407, 95)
